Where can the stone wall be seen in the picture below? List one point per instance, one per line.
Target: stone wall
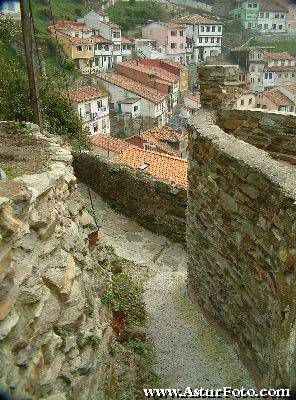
(55, 334)
(274, 132)
(158, 206)
(241, 239)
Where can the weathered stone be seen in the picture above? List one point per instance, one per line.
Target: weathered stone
(5, 260)
(50, 314)
(8, 324)
(8, 223)
(31, 290)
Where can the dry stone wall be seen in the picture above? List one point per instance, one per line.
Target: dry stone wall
(158, 206)
(55, 334)
(242, 242)
(274, 132)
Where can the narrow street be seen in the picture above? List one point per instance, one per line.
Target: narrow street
(189, 352)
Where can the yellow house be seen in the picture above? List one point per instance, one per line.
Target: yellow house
(76, 48)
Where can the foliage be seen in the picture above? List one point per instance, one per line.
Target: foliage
(130, 14)
(125, 296)
(277, 46)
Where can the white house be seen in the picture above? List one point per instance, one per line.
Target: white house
(10, 9)
(153, 104)
(100, 25)
(130, 106)
(204, 36)
(92, 106)
(268, 70)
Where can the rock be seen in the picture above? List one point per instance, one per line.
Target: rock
(8, 324)
(50, 314)
(31, 290)
(8, 223)
(5, 260)
(86, 360)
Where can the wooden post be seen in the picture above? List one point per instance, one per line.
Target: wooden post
(31, 61)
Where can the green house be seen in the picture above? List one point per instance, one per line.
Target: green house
(247, 13)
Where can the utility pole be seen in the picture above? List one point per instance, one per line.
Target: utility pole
(29, 46)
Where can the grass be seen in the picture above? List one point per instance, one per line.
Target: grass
(11, 172)
(282, 46)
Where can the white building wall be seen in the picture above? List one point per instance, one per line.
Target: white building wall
(97, 120)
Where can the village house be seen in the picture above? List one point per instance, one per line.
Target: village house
(162, 140)
(100, 24)
(170, 39)
(154, 77)
(153, 103)
(93, 108)
(204, 36)
(289, 91)
(274, 100)
(291, 16)
(146, 48)
(10, 9)
(161, 166)
(265, 16)
(245, 101)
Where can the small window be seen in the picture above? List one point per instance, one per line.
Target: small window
(202, 28)
(173, 45)
(181, 33)
(208, 28)
(213, 28)
(250, 101)
(206, 40)
(213, 40)
(219, 28)
(79, 48)
(173, 33)
(100, 104)
(136, 108)
(200, 40)
(242, 102)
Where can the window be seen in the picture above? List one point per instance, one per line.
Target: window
(181, 33)
(208, 28)
(212, 40)
(202, 28)
(242, 102)
(274, 27)
(270, 75)
(250, 101)
(95, 127)
(173, 33)
(265, 26)
(280, 75)
(104, 124)
(259, 26)
(206, 40)
(87, 108)
(181, 45)
(116, 34)
(116, 47)
(261, 15)
(266, 75)
(76, 34)
(277, 15)
(250, 5)
(267, 15)
(136, 108)
(218, 40)
(173, 45)
(280, 27)
(213, 28)
(100, 104)
(149, 147)
(282, 16)
(79, 48)
(200, 40)
(219, 28)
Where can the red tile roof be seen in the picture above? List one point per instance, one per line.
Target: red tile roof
(158, 72)
(85, 94)
(268, 56)
(166, 133)
(290, 88)
(277, 98)
(101, 39)
(70, 25)
(197, 19)
(134, 87)
(107, 142)
(162, 166)
(125, 40)
(71, 39)
(280, 68)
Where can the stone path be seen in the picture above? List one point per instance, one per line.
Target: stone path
(189, 351)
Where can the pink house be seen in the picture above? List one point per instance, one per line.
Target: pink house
(291, 16)
(170, 39)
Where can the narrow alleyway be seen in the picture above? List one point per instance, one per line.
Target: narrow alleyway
(189, 351)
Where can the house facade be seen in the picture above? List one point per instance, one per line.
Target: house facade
(265, 16)
(275, 100)
(10, 9)
(268, 70)
(92, 106)
(291, 16)
(204, 36)
(169, 38)
(153, 103)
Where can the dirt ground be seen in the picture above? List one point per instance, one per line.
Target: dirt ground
(20, 152)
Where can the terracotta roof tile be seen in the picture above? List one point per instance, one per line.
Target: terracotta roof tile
(132, 86)
(101, 39)
(277, 98)
(163, 167)
(290, 88)
(166, 133)
(125, 40)
(107, 142)
(268, 56)
(197, 19)
(70, 25)
(280, 68)
(85, 94)
(159, 72)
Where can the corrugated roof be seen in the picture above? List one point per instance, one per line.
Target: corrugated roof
(85, 94)
(132, 86)
(163, 167)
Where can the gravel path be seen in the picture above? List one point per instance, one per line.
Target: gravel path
(189, 351)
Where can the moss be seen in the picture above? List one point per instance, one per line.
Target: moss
(95, 341)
